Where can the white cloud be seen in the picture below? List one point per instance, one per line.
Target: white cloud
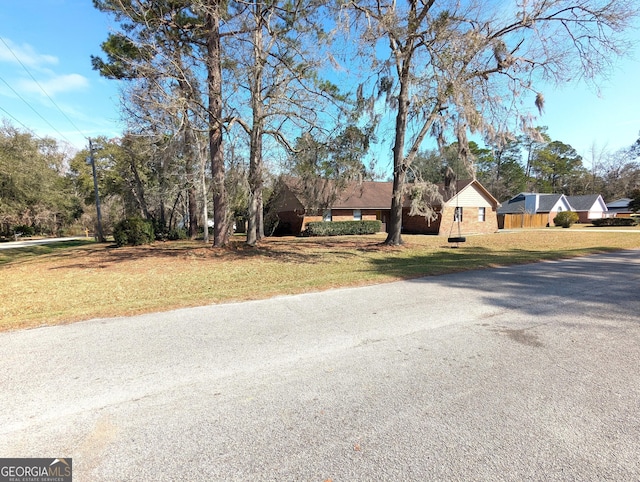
(56, 84)
(25, 54)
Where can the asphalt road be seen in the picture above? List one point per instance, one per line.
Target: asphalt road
(519, 373)
(25, 243)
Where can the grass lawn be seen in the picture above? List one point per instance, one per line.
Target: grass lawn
(72, 281)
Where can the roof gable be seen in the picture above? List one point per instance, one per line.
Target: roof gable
(377, 195)
(531, 203)
(470, 191)
(587, 202)
(553, 202)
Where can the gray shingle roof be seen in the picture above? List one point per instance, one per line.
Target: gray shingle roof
(516, 205)
(547, 201)
(619, 203)
(583, 203)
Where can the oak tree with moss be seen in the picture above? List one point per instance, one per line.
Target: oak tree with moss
(448, 68)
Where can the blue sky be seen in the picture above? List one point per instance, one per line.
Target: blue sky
(54, 40)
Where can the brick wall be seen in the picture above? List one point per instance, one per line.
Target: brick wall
(289, 222)
(470, 223)
(342, 215)
(446, 225)
(418, 224)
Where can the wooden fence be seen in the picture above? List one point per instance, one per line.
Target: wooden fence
(521, 220)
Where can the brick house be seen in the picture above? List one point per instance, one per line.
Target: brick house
(471, 204)
(470, 207)
(366, 201)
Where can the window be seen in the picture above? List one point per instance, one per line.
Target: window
(357, 215)
(327, 215)
(457, 215)
(481, 215)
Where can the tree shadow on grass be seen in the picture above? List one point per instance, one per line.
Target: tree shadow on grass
(284, 251)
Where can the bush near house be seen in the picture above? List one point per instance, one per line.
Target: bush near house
(133, 232)
(614, 222)
(342, 228)
(566, 219)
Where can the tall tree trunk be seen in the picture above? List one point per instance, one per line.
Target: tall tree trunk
(394, 236)
(190, 151)
(254, 231)
(193, 210)
(214, 81)
(254, 227)
(260, 216)
(205, 201)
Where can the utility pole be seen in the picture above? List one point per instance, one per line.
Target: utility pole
(95, 189)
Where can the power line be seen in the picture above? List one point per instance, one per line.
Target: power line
(40, 86)
(21, 123)
(35, 111)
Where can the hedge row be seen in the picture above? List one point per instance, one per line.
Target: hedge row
(614, 222)
(342, 228)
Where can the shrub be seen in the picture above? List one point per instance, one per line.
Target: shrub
(342, 228)
(177, 234)
(24, 230)
(133, 232)
(566, 219)
(614, 222)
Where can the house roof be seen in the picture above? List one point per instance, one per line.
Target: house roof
(355, 195)
(549, 201)
(367, 195)
(377, 195)
(619, 203)
(513, 205)
(585, 202)
(449, 195)
(516, 205)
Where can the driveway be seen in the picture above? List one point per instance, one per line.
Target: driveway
(519, 373)
(34, 242)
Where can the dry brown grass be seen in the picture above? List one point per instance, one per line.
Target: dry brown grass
(49, 285)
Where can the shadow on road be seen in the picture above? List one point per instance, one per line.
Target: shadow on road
(535, 288)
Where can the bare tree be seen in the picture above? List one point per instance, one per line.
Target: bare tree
(620, 174)
(453, 67)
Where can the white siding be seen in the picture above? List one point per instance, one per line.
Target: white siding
(561, 205)
(470, 197)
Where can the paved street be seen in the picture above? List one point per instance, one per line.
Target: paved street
(518, 373)
(25, 243)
